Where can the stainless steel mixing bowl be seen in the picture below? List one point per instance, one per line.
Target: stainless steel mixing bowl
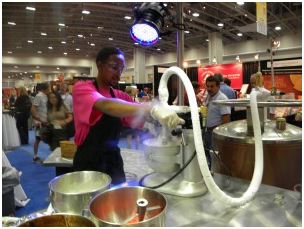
(72, 192)
(124, 207)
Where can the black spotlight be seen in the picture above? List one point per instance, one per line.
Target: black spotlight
(148, 21)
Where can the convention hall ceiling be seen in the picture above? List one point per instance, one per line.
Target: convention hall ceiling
(106, 25)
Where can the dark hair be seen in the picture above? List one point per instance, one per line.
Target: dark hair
(104, 53)
(29, 92)
(196, 84)
(227, 81)
(44, 85)
(60, 101)
(213, 78)
(219, 76)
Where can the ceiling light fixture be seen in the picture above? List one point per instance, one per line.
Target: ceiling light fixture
(86, 12)
(29, 41)
(43, 34)
(128, 17)
(11, 23)
(61, 24)
(198, 62)
(149, 20)
(30, 8)
(220, 24)
(278, 28)
(195, 14)
(240, 34)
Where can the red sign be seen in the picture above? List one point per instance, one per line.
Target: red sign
(232, 71)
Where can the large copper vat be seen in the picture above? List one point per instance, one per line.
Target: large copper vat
(282, 153)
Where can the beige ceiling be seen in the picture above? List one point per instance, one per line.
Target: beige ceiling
(106, 20)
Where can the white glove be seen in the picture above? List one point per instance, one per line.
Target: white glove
(166, 116)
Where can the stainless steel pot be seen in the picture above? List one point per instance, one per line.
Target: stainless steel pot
(129, 206)
(72, 192)
(59, 220)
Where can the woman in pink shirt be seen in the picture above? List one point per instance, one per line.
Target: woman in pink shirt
(100, 110)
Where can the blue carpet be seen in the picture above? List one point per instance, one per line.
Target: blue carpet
(34, 181)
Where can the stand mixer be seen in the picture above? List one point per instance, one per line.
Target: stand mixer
(174, 159)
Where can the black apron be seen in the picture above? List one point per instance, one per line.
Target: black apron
(100, 151)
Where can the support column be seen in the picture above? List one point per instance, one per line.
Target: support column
(139, 66)
(215, 47)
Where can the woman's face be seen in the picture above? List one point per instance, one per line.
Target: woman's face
(53, 99)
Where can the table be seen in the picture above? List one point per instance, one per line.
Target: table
(271, 206)
(62, 165)
(10, 135)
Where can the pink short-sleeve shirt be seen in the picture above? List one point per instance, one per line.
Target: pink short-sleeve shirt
(85, 115)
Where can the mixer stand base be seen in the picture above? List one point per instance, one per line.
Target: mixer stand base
(177, 186)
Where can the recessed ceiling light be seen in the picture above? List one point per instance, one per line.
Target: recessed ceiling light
(158, 49)
(99, 27)
(77, 49)
(207, 39)
(39, 52)
(9, 52)
(220, 24)
(57, 68)
(50, 47)
(29, 41)
(86, 12)
(186, 31)
(195, 14)
(92, 44)
(43, 34)
(63, 42)
(240, 3)
(240, 34)
(278, 28)
(128, 17)
(30, 8)
(110, 38)
(65, 53)
(136, 43)
(11, 23)
(80, 35)
(61, 24)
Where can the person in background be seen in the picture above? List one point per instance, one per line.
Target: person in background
(31, 123)
(141, 93)
(197, 91)
(216, 115)
(59, 116)
(12, 100)
(228, 91)
(23, 107)
(66, 96)
(270, 98)
(227, 81)
(39, 112)
(100, 110)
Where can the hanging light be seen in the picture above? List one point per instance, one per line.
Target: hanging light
(257, 57)
(198, 61)
(214, 60)
(149, 20)
(238, 58)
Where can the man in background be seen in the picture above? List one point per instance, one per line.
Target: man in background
(216, 115)
(228, 91)
(270, 98)
(65, 95)
(39, 112)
